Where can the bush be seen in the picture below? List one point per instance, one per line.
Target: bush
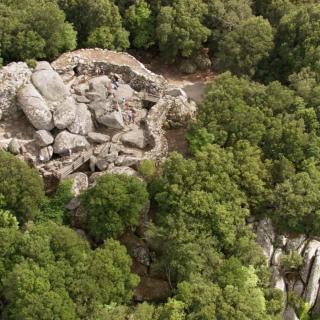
(114, 204)
(21, 187)
(291, 261)
(147, 168)
(55, 208)
(32, 63)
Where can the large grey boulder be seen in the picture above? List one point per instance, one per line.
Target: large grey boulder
(82, 123)
(35, 107)
(112, 120)
(66, 140)
(43, 138)
(98, 137)
(43, 65)
(135, 138)
(99, 85)
(49, 84)
(313, 282)
(12, 77)
(308, 256)
(65, 113)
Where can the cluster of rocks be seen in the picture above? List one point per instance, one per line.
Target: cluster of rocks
(303, 281)
(95, 101)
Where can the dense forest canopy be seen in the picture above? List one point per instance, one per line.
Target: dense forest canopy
(266, 40)
(254, 152)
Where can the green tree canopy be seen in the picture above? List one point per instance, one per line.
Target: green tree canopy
(49, 270)
(98, 23)
(21, 187)
(114, 204)
(241, 50)
(180, 28)
(297, 41)
(34, 29)
(140, 22)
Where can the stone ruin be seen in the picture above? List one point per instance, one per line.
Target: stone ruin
(89, 106)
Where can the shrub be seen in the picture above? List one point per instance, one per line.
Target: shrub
(291, 261)
(147, 168)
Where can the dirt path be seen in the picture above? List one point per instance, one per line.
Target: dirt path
(194, 85)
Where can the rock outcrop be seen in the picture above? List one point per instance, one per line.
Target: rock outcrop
(35, 107)
(12, 77)
(49, 83)
(94, 106)
(303, 280)
(66, 141)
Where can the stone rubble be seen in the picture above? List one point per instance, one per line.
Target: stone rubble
(91, 105)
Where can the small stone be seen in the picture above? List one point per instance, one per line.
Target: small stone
(14, 146)
(46, 154)
(98, 137)
(43, 138)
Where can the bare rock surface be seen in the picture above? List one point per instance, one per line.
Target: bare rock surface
(82, 123)
(43, 138)
(112, 120)
(135, 138)
(49, 83)
(98, 137)
(66, 141)
(65, 114)
(35, 107)
(12, 77)
(46, 153)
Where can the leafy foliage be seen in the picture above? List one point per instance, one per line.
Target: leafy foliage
(21, 187)
(49, 270)
(114, 204)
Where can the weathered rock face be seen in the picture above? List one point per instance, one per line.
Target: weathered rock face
(43, 138)
(135, 138)
(82, 123)
(67, 141)
(46, 153)
(49, 83)
(65, 114)
(35, 107)
(313, 282)
(112, 120)
(12, 77)
(98, 137)
(304, 282)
